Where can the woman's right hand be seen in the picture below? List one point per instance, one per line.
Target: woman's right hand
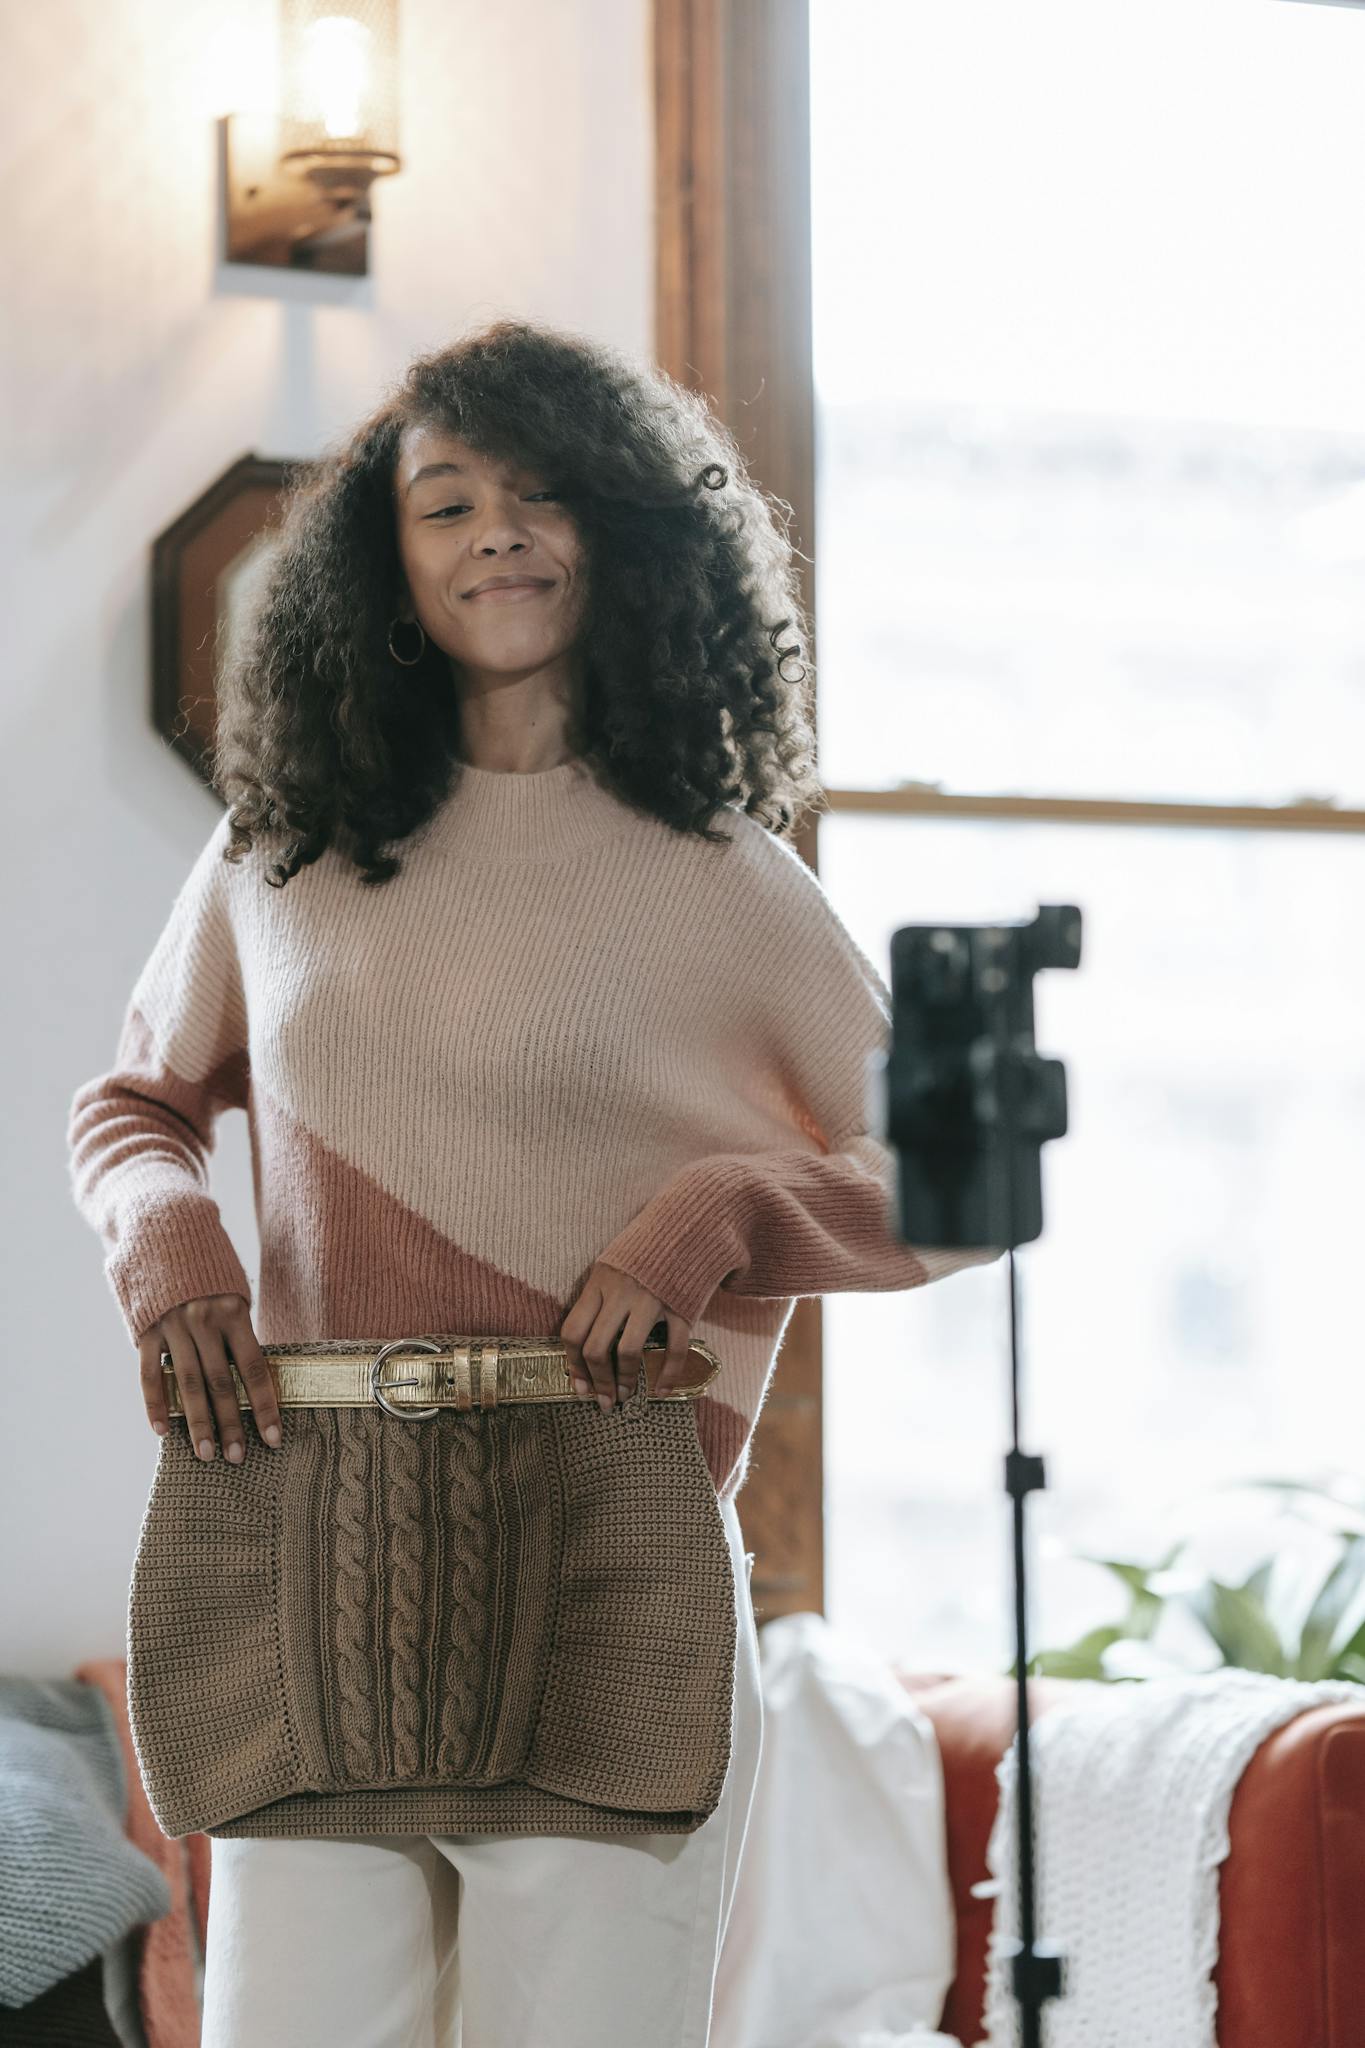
(199, 1335)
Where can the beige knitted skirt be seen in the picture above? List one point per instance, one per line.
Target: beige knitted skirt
(518, 1621)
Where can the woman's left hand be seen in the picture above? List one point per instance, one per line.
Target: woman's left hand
(605, 1331)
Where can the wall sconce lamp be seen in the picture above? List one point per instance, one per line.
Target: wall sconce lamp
(298, 181)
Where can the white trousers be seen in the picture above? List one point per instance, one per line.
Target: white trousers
(485, 1941)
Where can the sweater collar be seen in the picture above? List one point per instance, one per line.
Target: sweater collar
(500, 815)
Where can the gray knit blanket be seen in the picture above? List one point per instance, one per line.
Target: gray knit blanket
(71, 1883)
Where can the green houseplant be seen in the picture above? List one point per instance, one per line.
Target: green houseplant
(1286, 1617)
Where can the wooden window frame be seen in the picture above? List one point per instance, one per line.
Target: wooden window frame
(733, 318)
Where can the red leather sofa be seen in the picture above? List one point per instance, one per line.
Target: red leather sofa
(1291, 1967)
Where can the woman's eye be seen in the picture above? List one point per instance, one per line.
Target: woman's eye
(464, 508)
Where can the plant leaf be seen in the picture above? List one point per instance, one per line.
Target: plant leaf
(1324, 1617)
(1144, 1600)
(1349, 1654)
(1239, 1626)
(1257, 1582)
(1143, 1615)
(1135, 1661)
(1133, 1574)
(1081, 1659)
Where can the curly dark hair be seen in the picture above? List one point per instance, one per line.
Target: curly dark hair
(688, 703)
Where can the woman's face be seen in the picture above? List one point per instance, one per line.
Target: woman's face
(463, 519)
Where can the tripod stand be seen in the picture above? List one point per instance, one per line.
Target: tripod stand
(968, 1107)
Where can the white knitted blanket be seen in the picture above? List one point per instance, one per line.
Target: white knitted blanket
(1132, 1786)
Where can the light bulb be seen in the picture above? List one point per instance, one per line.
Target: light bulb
(335, 73)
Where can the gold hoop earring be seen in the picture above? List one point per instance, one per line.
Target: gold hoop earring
(401, 659)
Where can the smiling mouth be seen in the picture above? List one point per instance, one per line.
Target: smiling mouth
(508, 591)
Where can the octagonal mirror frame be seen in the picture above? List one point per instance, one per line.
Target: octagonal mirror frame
(205, 567)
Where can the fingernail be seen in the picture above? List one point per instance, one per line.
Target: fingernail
(160, 1428)
(205, 1447)
(605, 1403)
(236, 1452)
(272, 1432)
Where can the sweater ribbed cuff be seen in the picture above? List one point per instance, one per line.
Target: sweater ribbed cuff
(689, 1237)
(178, 1251)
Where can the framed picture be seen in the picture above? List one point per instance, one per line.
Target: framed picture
(206, 571)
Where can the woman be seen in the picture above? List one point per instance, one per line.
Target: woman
(529, 1043)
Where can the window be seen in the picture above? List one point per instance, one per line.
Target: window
(1090, 576)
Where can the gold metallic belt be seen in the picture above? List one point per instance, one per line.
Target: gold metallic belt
(444, 1372)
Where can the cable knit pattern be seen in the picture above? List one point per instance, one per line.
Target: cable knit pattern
(404, 1493)
(469, 1580)
(581, 1581)
(563, 1032)
(354, 1608)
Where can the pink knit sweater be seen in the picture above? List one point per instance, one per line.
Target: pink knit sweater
(563, 1032)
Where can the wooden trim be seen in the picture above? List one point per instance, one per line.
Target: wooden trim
(733, 320)
(1085, 810)
(689, 171)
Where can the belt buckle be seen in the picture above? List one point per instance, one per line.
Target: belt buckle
(377, 1366)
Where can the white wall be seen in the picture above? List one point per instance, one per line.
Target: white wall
(135, 368)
